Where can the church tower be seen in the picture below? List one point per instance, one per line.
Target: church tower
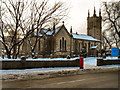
(94, 23)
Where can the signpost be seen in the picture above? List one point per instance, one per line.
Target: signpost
(115, 52)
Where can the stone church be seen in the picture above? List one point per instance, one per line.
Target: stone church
(58, 42)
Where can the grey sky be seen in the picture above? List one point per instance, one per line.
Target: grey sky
(77, 17)
(79, 11)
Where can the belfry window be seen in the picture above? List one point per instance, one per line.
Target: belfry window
(62, 44)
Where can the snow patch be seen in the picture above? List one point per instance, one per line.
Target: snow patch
(111, 58)
(84, 37)
(90, 61)
(41, 59)
(53, 59)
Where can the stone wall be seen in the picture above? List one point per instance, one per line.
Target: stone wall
(101, 62)
(62, 33)
(38, 64)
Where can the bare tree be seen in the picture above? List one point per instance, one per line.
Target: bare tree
(21, 18)
(111, 22)
(42, 15)
(14, 29)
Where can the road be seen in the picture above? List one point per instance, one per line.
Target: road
(92, 80)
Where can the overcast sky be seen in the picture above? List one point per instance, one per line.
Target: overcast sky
(79, 11)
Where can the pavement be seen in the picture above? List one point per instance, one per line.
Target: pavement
(90, 80)
(10, 78)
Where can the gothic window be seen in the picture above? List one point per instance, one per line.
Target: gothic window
(62, 44)
(91, 45)
(39, 45)
(85, 45)
(65, 45)
(79, 47)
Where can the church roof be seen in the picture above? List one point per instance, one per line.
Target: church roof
(94, 47)
(84, 37)
(50, 32)
(75, 36)
(39, 34)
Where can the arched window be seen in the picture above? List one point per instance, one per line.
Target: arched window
(65, 45)
(62, 44)
(79, 47)
(91, 45)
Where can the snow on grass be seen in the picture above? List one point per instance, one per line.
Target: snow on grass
(6, 59)
(90, 61)
(110, 66)
(111, 58)
(53, 59)
(41, 59)
(37, 70)
(93, 61)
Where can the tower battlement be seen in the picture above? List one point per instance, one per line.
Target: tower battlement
(94, 25)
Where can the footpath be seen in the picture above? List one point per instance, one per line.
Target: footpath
(44, 73)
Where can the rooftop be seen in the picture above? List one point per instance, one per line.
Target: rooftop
(84, 37)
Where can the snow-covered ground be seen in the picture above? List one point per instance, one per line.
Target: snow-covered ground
(38, 70)
(92, 61)
(89, 63)
(111, 58)
(40, 59)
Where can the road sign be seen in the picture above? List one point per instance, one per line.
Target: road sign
(115, 51)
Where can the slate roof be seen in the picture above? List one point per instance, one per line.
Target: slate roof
(49, 32)
(75, 36)
(39, 34)
(94, 47)
(84, 37)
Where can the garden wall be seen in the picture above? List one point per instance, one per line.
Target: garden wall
(38, 64)
(101, 62)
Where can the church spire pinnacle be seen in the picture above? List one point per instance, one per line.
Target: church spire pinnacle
(94, 12)
(53, 28)
(88, 13)
(71, 30)
(99, 12)
(63, 22)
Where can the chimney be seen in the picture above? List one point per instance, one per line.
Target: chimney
(71, 30)
(76, 33)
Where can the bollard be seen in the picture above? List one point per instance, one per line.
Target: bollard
(81, 62)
